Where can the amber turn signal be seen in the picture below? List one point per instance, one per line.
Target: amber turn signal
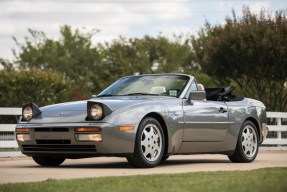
(88, 129)
(22, 130)
(127, 128)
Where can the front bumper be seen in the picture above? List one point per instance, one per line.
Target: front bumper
(60, 139)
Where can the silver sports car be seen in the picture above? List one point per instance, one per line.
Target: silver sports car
(145, 118)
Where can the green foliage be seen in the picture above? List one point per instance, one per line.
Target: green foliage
(42, 87)
(249, 52)
(144, 55)
(204, 79)
(71, 55)
(95, 68)
(91, 69)
(263, 180)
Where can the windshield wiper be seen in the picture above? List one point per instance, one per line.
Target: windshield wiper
(140, 94)
(110, 95)
(106, 95)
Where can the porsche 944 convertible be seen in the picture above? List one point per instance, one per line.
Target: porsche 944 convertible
(145, 118)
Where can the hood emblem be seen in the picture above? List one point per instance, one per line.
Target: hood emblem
(62, 113)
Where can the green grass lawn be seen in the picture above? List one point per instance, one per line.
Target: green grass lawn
(9, 149)
(269, 180)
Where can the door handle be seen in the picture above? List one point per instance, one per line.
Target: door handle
(222, 110)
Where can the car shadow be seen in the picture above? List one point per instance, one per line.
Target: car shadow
(110, 165)
(126, 165)
(192, 161)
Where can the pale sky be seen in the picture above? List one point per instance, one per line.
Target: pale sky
(128, 18)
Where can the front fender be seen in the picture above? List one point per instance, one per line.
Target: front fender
(171, 112)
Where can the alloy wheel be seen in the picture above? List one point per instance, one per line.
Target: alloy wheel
(151, 142)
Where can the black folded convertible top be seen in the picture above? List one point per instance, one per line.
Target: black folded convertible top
(222, 94)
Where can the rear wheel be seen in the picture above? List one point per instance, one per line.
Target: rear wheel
(149, 145)
(48, 161)
(247, 144)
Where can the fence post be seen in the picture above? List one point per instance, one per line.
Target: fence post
(279, 123)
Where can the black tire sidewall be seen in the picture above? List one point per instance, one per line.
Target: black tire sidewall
(164, 158)
(48, 161)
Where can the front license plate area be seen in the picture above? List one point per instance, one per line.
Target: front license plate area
(50, 136)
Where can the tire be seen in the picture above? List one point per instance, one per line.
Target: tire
(164, 158)
(48, 161)
(149, 144)
(247, 144)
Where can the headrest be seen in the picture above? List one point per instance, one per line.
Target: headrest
(157, 90)
(200, 87)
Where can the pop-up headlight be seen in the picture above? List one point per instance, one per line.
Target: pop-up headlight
(29, 111)
(97, 111)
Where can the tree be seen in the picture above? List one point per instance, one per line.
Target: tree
(91, 68)
(145, 55)
(249, 52)
(72, 54)
(18, 87)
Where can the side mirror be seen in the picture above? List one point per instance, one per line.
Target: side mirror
(196, 95)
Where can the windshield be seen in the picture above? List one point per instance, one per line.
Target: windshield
(169, 85)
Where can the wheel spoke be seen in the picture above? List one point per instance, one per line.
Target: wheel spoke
(245, 135)
(245, 150)
(244, 143)
(146, 133)
(145, 142)
(148, 153)
(152, 131)
(249, 149)
(156, 139)
(253, 144)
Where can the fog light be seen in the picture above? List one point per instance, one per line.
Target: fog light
(89, 137)
(23, 137)
(88, 129)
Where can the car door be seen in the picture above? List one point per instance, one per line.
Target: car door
(205, 121)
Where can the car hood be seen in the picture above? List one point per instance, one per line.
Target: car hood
(113, 103)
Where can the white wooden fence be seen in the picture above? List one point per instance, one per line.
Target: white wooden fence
(277, 125)
(277, 136)
(7, 135)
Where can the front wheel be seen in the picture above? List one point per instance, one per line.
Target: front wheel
(149, 144)
(247, 144)
(164, 158)
(48, 161)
